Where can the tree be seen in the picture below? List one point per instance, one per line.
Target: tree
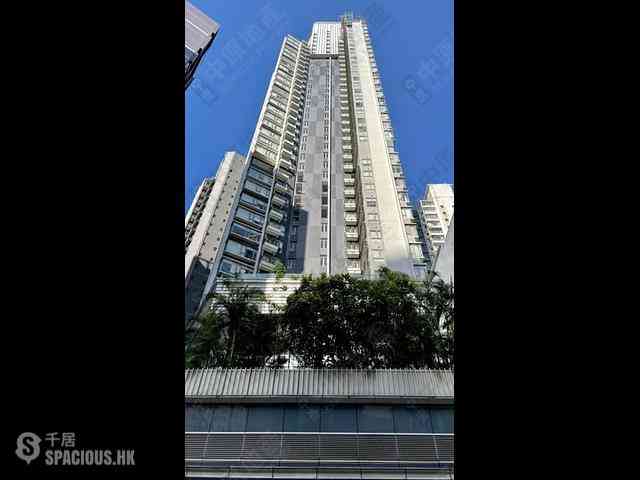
(389, 322)
(233, 331)
(334, 321)
(203, 342)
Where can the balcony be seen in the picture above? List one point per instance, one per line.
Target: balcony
(348, 167)
(288, 154)
(265, 155)
(266, 265)
(275, 230)
(349, 192)
(353, 252)
(282, 187)
(354, 270)
(279, 201)
(272, 127)
(276, 215)
(271, 247)
(283, 175)
(351, 219)
(290, 145)
(352, 235)
(293, 130)
(286, 164)
(350, 206)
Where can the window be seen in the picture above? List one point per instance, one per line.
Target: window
(323, 243)
(245, 232)
(250, 216)
(227, 266)
(261, 177)
(237, 248)
(325, 212)
(254, 187)
(323, 263)
(324, 228)
(253, 201)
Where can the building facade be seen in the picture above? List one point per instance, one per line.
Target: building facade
(323, 190)
(306, 423)
(436, 214)
(204, 226)
(199, 32)
(445, 259)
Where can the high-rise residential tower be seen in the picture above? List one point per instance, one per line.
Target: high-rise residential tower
(323, 189)
(199, 32)
(204, 226)
(436, 213)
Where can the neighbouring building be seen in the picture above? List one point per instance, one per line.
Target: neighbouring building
(199, 32)
(444, 260)
(204, 226)
(323, 189)
(436, 213)
(310, 424)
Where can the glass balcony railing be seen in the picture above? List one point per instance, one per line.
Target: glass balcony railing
(275, 230)
(351, 219)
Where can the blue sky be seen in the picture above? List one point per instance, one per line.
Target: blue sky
(412, 43)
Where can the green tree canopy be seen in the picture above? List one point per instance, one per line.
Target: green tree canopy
(330, 322)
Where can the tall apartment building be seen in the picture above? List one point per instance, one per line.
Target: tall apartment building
(323, 189)
(204, 226)
(436, 213)
(199, 32)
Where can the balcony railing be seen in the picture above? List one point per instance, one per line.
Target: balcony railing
(275, 230)
(282, 187)
(270, 247)
(353, 252)
(276, 215)
(350, 206)
(280, 202)
(266, 265)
